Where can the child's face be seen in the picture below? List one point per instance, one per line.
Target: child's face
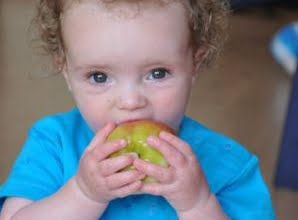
(128, 66)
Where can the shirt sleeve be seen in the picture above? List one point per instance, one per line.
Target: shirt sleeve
(246, 197)
(37, 171)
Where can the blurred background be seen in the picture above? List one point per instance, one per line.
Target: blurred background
(245, 96)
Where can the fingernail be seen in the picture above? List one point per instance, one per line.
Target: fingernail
(142, 176)
(122, 142)
(164, 134)
(109, 125)
(151, 139)
(133, 155)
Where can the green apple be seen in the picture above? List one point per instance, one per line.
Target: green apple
(136, 134)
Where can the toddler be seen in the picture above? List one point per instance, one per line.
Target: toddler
(128, 60)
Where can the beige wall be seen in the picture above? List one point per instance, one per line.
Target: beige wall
(24, 95)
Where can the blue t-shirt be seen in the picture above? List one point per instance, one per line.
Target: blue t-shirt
(51, 153)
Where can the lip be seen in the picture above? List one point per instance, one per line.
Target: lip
(131, 120)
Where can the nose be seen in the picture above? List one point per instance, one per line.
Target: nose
(131, 98)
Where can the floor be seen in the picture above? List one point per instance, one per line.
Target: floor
(245, 96)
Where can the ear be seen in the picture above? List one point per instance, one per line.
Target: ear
(60, 64)
(66, 77)
(199, 57)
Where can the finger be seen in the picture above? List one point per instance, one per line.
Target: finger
(106, 149)
(101, 135)
(163, 175)
(174, 157)
(112, 165)
(128, 189)
(153, 189)
(123, 178)
(177, 143)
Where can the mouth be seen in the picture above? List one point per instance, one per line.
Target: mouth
(131, 120)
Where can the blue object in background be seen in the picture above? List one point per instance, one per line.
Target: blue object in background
(287, 168)
(284, 47)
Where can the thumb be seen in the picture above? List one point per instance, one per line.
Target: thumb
(101, 135)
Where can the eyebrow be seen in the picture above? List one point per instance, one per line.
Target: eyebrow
(156, 64)
(145, 63)
(90, 66)
(160, 61)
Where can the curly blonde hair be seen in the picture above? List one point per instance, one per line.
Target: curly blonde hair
(207, 20)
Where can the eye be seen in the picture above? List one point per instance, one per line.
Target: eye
(158, 73)
(98, 77)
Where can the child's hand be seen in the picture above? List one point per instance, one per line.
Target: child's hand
(183, 183)
(97, 175)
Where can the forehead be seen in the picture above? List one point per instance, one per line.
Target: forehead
(119, 8)
(115, 3)
(89, 26)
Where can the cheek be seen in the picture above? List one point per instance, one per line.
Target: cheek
(170, 106)
(96, 119)
(91, 115)
(94, 109)
(176, 96)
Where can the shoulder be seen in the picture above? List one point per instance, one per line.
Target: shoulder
(60, 124)
(209, 142)
(221, 157)
(61, 133)
(232, 172)
(59, 120)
